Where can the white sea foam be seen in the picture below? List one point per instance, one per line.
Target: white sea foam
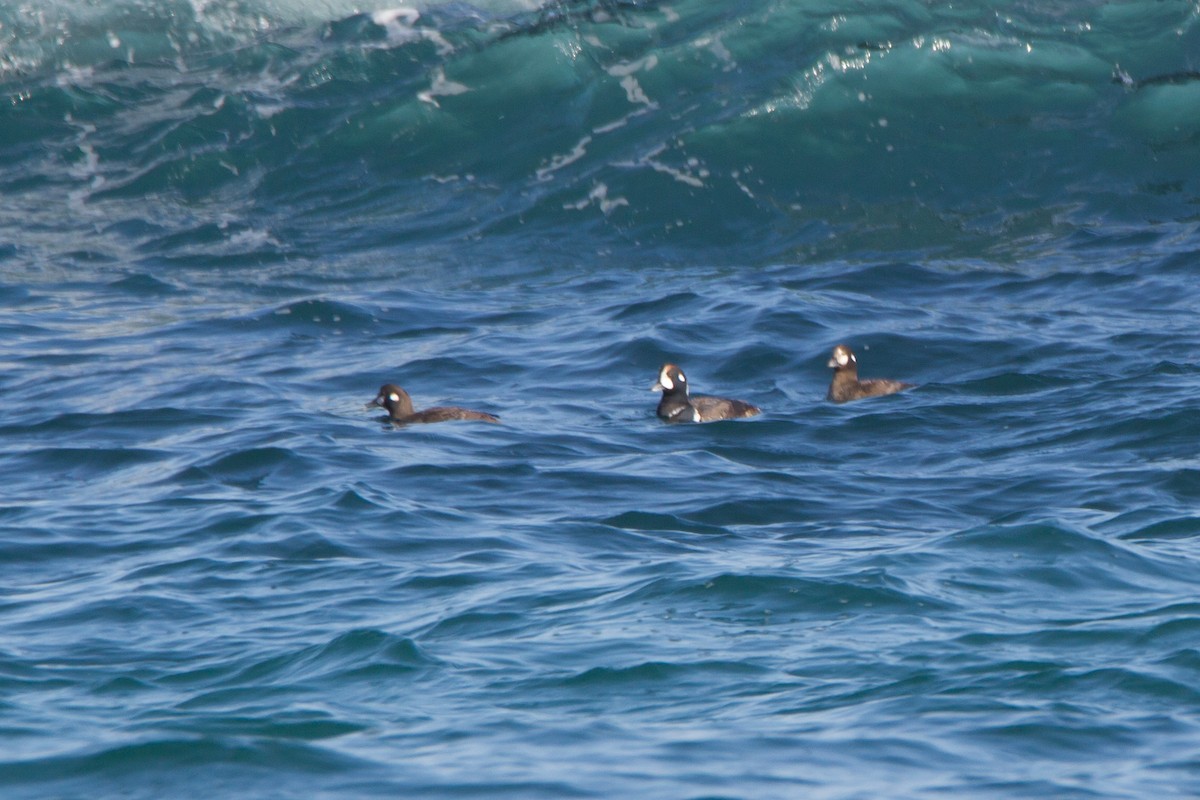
(598, 197)
(441, 87)
(560, 161)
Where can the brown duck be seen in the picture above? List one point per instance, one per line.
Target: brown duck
(846, 386)
(400, 409)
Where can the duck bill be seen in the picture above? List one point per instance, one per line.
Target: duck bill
(657, 387)
(832, 363)
(378, 401)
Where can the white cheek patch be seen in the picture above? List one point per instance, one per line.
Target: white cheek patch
(842, 358)
(395, 398)
(664, 380)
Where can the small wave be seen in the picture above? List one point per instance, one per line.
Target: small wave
(763, 598)
(120, 767)
(674, 677)
(354, 655)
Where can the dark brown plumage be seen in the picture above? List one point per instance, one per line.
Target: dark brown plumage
(677, 405)
(846, 386)
(400, 409)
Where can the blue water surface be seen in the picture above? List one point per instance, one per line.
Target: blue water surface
(224, 225)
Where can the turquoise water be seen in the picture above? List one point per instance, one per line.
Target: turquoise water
(223, 226)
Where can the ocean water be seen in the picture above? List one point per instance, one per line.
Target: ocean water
(224, 224)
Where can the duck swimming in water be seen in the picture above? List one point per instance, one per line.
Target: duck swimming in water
(678, 406)
(846, 386)
(400, 409)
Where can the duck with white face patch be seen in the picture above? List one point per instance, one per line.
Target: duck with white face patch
(846, 386)
(677, 405)
(400, 409)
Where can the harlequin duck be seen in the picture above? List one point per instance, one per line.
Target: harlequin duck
(400, 409)
(846, 386)
(677, 406)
